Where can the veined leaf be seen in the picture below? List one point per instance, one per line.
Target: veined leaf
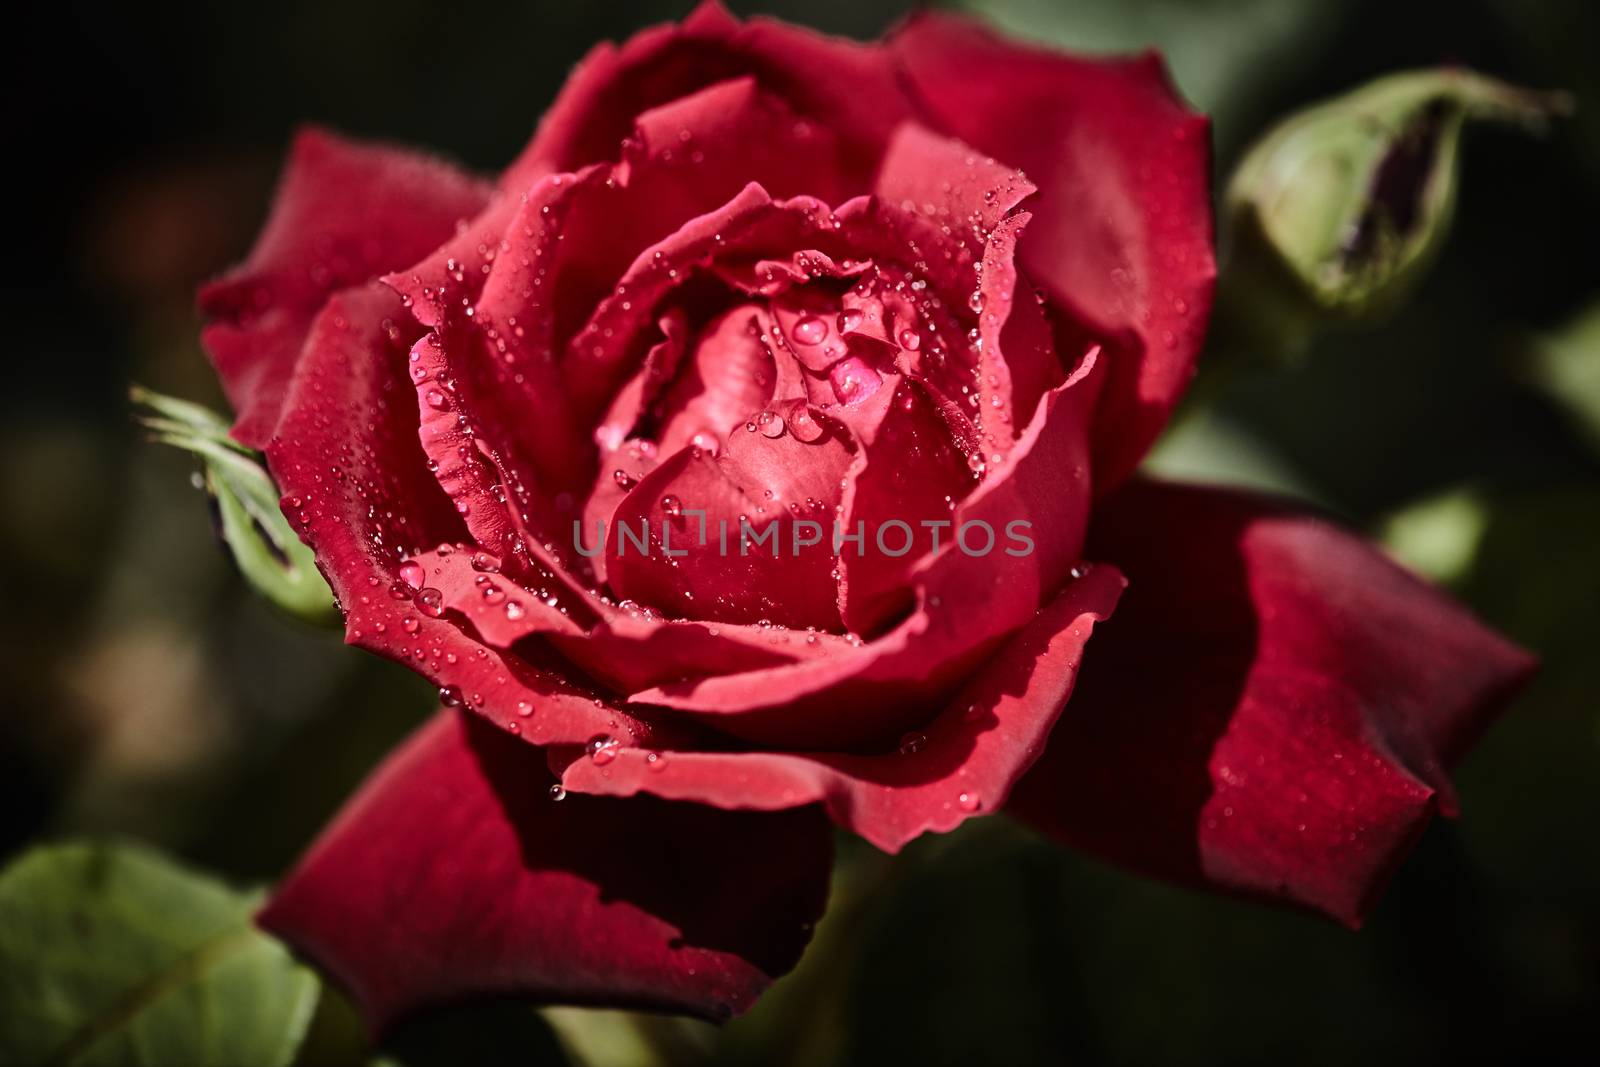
(111, 954)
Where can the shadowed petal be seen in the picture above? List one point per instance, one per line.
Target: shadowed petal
(1121, 234)
(960, 764)
(453, 874)
(345, 213)
(1273, 709)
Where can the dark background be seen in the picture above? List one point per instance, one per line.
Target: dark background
(148, 694)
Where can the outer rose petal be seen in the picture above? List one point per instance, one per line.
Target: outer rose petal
(1121, 235)
(452, 874)
(1273, 709)
(345, 213)
(357, 487)
(962, 763)
(825, 78)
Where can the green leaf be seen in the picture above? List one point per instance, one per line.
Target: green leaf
(270, 555)
(112, 954)
(1339, 210)
(1566, 365)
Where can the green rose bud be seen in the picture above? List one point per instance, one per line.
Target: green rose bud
(1338, 211)
(272, 558)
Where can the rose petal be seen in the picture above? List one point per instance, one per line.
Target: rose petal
(1122, 233)
(345, 212)
(911, 474)
(501, 608)
(678, 542)
(968, 600)
(631, 651)
(452, 874)
(624, 648)
(1273, 709)
(945, 180)
(960, 764)
(613, 84)
(684, 160)
(732, 374)
(357, 487)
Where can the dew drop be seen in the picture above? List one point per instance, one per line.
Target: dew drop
(603, 749)
(558, 792)
(412, 573)
(910, 339)
(810, 330)
(849, 319)
(853, 380)
(804, 425)
(430, 602)
(771, 424)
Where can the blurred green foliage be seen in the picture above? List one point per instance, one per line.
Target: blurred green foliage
(154, 696)
(112, 955)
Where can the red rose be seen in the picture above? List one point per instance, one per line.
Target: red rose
(747, 278)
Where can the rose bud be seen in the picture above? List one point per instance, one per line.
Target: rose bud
(1338, 211)
(830, 299)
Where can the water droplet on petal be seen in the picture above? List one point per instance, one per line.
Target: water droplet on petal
(803, 424)
(849, 319)
(672, 506)
(706, 442)
(450, 696)
(968, 802)
(910, 339)
(412, 573)
(558, 792)
(770, 423)
(810, 330)
(853, 380)
(430, 602)
(603, 749)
